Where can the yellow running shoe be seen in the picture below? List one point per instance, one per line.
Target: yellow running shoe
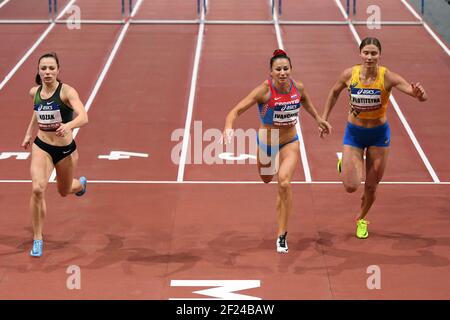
(339, 166)
(361, 229)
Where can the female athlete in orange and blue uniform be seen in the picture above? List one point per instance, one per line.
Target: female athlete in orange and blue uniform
(369, 86)
(279, 100)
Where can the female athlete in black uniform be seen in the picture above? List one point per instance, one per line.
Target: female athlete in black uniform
(54, 147)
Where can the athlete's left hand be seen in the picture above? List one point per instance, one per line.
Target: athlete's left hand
(63, 130)
(419, 91)
(324, 127)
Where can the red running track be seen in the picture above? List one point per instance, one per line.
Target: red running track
(130, 240)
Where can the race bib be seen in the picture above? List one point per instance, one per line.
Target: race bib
(363, 100)
(285, 118)
(48, 117)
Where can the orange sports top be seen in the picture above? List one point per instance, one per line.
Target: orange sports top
(368, 101)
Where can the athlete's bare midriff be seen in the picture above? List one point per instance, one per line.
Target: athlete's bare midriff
(285, 134)
(51, 138)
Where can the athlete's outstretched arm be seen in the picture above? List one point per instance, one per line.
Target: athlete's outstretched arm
(324, 127)
(334, 93)
(32, 125)
(80, 120)
(394, 80)
(257, 95)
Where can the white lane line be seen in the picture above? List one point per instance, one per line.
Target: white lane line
(187, 125)
(33, 47)
(350, 25)
(302, 148)
(414, 139)
(235, 182)
(136, 8)
(402, 117)
(102, 76)
(341, 8)
(411, 9)
(4, 3)
(427, 27)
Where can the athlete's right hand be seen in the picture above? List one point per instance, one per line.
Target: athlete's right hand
(324, 127)
(323, 132)
(227, 134)
(418, 91)
(26, 141)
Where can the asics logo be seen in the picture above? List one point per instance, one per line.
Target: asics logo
(288, 108)
(365, 91)
(44, 108)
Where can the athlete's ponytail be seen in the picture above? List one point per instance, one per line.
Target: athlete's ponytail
(38, 79)
(279, 54)
(47, 55)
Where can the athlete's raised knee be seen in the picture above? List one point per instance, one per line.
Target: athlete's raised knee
(266, 179)
(351, 187)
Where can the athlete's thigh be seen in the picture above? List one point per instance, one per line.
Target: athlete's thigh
(41, 166)
(376, 160)
(352, 165)
(65, 171)
(289, 158)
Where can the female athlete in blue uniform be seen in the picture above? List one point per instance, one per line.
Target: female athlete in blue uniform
(369, 86)
(54, 146)
(279, 100)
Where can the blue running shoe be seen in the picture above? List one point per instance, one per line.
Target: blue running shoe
(36, 251)
(83, 182)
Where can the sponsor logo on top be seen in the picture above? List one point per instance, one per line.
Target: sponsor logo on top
(366, 91)
(289, 107)
(44, 108)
